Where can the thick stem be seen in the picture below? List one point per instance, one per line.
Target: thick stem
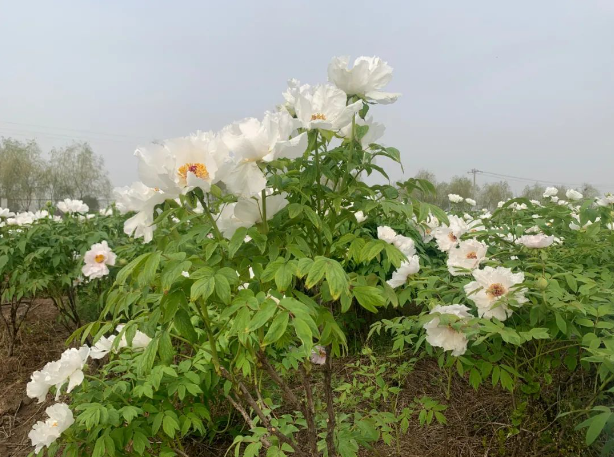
(309, 412)
(330, 407)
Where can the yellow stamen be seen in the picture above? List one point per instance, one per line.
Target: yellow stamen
(472, 255)
(99, 258)
(452, 237)
(318, 117)
(496, 290)
(198, 169)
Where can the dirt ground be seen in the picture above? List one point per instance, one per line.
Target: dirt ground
(479, 424)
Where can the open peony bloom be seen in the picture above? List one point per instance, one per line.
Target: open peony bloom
(471, 201)
(466, 256)
(318, 355)
(550, 192)
(57, 373)
(360, 216)
(448, 236)
(6, 213)
(182, 164)
(445, 336)
(408, 268)
(252, 141)
(573, 195)
(248, 212)
(324, 107)
(403, 243)
(142, 199)
(535, 241)
(365, 78)
(44, 433)
(72, 206)
(491, 290)
(606, 200)
(455, 198)
(97, 259)
(375, 132)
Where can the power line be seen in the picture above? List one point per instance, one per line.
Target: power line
(523, 179)
(69, 129)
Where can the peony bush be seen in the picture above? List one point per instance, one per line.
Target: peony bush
(264, 249)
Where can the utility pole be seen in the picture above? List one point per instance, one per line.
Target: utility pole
(474, 172)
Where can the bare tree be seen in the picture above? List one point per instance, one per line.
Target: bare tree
(21, 173)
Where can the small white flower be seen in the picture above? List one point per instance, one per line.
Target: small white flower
(6, 213)
(448, 236)
(491, 289)
(471, 201)
(535, 241)
(455, 198)
(72, 206)
(44, 433)
(466, 256)
(360, 216)
(97, 260)
(444, 336)
(550, 192)
(573, 195)
(408, 268)
(318, 355)
(185, 274)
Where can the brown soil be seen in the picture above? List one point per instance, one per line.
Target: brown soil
(479, 423)
(41, 340)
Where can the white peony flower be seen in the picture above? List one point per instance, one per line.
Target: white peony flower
(360, 216)
(365, 78)
(102, 347)
(252, 141)
(404, 244)
(444, 336)
(408, 268)
(142, 199)
(248, 212)
(535, 241)
(471, 201)
(97, 259)
(6, 213)
(291, 94)
(492, 288)
(182, 164)
(427, 232)
(69, 206)
(44, 433)
(466, 256)
(447, 236)
(550, 192)
(386, 234)
(318, 354)
(375, 132)
(324, 107)
(455, 198)
(573, 195)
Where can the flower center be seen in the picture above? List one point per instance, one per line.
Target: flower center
(54, 424)
(496, 290)
(198, 169)
(318, 117)
(452, 237)
(99, 258)
(472, 255)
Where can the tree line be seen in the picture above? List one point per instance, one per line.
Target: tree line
(29, 178)
(487, 195)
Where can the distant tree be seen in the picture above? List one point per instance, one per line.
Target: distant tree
(534, 192)
(462, 186)
(21, 173)
(76, 171)
(589, 191)
(493, 193)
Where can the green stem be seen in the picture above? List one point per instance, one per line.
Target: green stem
(264, 218)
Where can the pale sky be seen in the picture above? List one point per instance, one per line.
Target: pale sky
(523, 88)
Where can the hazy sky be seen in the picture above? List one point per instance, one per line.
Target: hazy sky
(523, 88)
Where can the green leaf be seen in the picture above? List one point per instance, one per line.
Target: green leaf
(264, 314)
(597, 424)
(283, 276)
(236, 241)
(316, 272)
(165, 348)
(222, 288)
(277, 328)
(336, 278)
(149, 269)
(202, 288)
(560, 323)
(369, 297)
(184, 326)
(303, 331)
